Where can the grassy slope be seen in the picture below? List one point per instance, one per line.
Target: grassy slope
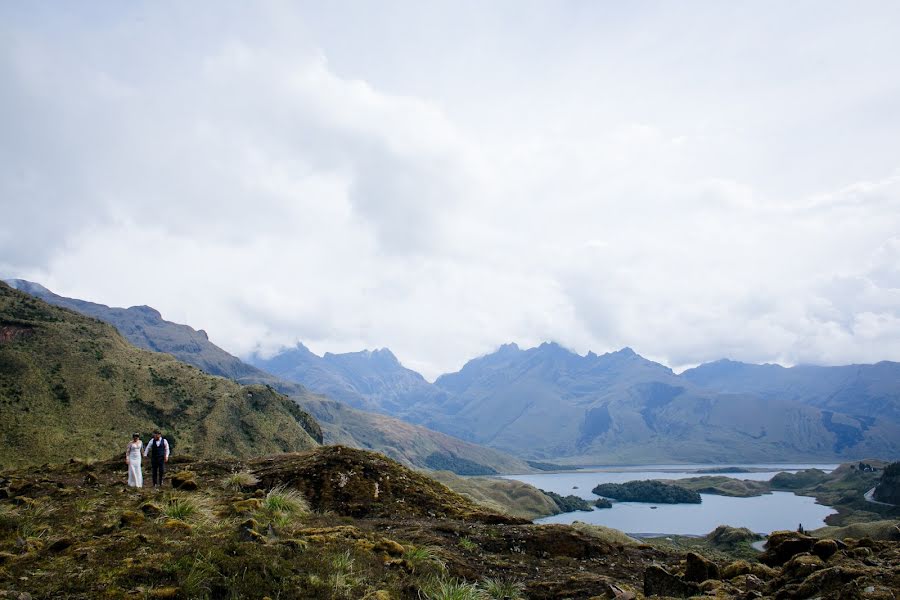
(501, 495)
(401, 441)
(68, 379)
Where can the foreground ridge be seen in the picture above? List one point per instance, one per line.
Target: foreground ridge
(334, 522)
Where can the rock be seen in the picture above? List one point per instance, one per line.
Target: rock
(762, 571)
(246, 506)
(828, 580)
(736, 569)
(659, 582)
(150, 509)
(130, 518)
(294, 544)
(185, 481)
(699, 569)
(728, 537)
(248, 531)
(178, 525)
(824, 549)
(748, 582)
(60, 544)
(389, 547)
(802, 565)
(782, 545)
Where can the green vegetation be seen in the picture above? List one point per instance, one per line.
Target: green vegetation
(52, 390)
(723, 486)
(546, 466)
(647, 491)
(502, 589)
(569, 503)
(876, 530)
(602, 503)
(505, 496)
(461, 466)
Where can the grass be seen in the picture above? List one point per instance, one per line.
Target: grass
(466, 544)
(281, 500)
(239, 480)
(503, 589)
(443, 588)
(184, 508)
(424, 560)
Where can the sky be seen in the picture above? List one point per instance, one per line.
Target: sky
(694, 180)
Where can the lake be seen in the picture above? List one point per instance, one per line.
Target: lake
(762, 514)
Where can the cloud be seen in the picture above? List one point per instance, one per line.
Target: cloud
(280, 173)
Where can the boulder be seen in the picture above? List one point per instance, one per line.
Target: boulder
(736, 569)
(699, 568)
(130, 518)
(825, 549)
(782, 545)
(802, 565)
(150, 509)
(185, 481)
(659, 582)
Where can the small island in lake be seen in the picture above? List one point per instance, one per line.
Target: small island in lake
(648, 491)
(569, 503)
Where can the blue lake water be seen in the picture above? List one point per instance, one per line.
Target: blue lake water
(762, 514)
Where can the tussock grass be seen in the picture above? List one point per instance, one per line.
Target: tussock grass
(239, 480)
(466, 544)
(281, 500)
(443, 588)
(185, 508)
(503, 589)
(424, 560)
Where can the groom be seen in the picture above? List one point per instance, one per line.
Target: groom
(158, 449)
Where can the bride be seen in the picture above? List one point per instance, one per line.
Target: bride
(133, 460)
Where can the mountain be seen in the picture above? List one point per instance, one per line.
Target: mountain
(863, 391)
(370, 380)
(72, 386)
(550, 403)
(341, 424)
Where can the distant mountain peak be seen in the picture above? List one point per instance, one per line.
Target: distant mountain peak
(29, 287)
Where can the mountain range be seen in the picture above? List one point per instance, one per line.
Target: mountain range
(550, 404)
(340, 422)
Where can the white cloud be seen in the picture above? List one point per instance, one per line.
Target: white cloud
(443, 181)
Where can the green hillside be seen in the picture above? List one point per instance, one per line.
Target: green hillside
(70, 385)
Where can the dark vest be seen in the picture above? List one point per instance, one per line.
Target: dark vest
(157, 453)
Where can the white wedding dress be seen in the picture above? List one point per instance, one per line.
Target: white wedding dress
(135, 476)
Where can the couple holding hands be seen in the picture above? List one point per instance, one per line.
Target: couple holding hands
(158, 451)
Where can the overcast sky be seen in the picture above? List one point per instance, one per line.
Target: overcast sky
(694, 180)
